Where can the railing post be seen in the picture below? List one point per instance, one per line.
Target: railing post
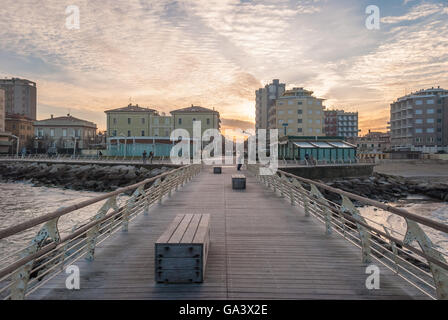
(394, 249)
(327, 212)
(21, 277)
(130, 205)
(93, 232)
(364, 236)
(440, 275)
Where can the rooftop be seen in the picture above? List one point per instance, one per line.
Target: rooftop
(194, 109)
(131, 108)
(67, 118)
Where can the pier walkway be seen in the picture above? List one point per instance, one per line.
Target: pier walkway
(262, 247)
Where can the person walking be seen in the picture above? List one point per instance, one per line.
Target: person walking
(144, 156)
(151, 156)
(239, 161)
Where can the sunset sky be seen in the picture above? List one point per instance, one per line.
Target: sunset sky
(216, 53)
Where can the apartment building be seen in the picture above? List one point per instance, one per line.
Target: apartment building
(64, 133)
(298, 113)
(265, 102)
(22, 127)
(340, 123)
(20, 96)
(4, 136)
(419, 121)
(183, 118)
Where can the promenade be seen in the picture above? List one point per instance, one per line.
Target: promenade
(262, 247)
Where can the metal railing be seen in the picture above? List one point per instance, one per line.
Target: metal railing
(86, 159)
(49, 252)
(424, 266)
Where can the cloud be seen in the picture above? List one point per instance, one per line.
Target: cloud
(417, 12)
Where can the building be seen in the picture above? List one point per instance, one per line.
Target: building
(64, 134)
(374, 145)
(419, 121)
(265, 102)
(183, 118)
(298, 113)
(21, 127)
(20, 96)
(4, 136)
(320, 148)
(130, 121)
(341, 123)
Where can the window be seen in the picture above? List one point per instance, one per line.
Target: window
(180, 121)
(439, 110)
(310, 130)
(430, 101)
(64, 132)
(299, 129)
(418, 102)
(317, 111)
(310, 111)
(418, 130)
(167, 120)
(289, 120)
(281, 112)
(143, 120)
(318, 121)
(156, 120)
(114, 133)
(299, 111)
(208, 121)
(280, 121)
(51, 132)
(439, 120)
(129, 133)
(290, 102)
(310, 121)
(430, 111)
(40, 132)
(129, 120)
(429, 120)
(317, 130)
(430, 130)
(310, 101)
(299, 103)
(299, 120)
(77, 132)
(115, 120)
(418, 111)
(418, 121)
(289, 111)
(143, 133)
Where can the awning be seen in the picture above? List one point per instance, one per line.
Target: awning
(341, 145)
(304, 145)
(322, 144)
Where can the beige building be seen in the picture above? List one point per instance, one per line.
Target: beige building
(63, 132)
(183, 118)
(135, 121)
(21, 127)
(20, 96)
(4, 136)
(298, 113)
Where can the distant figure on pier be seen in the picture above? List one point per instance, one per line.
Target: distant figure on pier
(100, 154)
(307, 158)
(239, 161)
(151, 156)
(312, 160)
(144, 156)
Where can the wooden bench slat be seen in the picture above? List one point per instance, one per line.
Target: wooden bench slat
(180, 231)
(192, 228)
(202, 229)
(165, 237)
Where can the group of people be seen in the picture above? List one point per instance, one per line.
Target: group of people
(145, 156)
(310, 160)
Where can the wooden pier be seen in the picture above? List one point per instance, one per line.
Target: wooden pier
(261, 247)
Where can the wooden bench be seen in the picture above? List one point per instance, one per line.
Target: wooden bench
(238, 181)
(181, 251)
(217, 170)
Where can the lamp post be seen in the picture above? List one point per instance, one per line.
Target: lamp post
(17, 148)
(74, 147)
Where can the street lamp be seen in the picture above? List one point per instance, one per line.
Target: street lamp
(17, 151)
(74, 146)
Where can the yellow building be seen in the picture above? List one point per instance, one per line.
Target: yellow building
(183, 118)
(130, 121)
(298, 113)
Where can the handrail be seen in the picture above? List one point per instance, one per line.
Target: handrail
(424, 267)
(401, 212)
(7, 232)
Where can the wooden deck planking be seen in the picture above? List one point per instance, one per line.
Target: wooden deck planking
(261, 248)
